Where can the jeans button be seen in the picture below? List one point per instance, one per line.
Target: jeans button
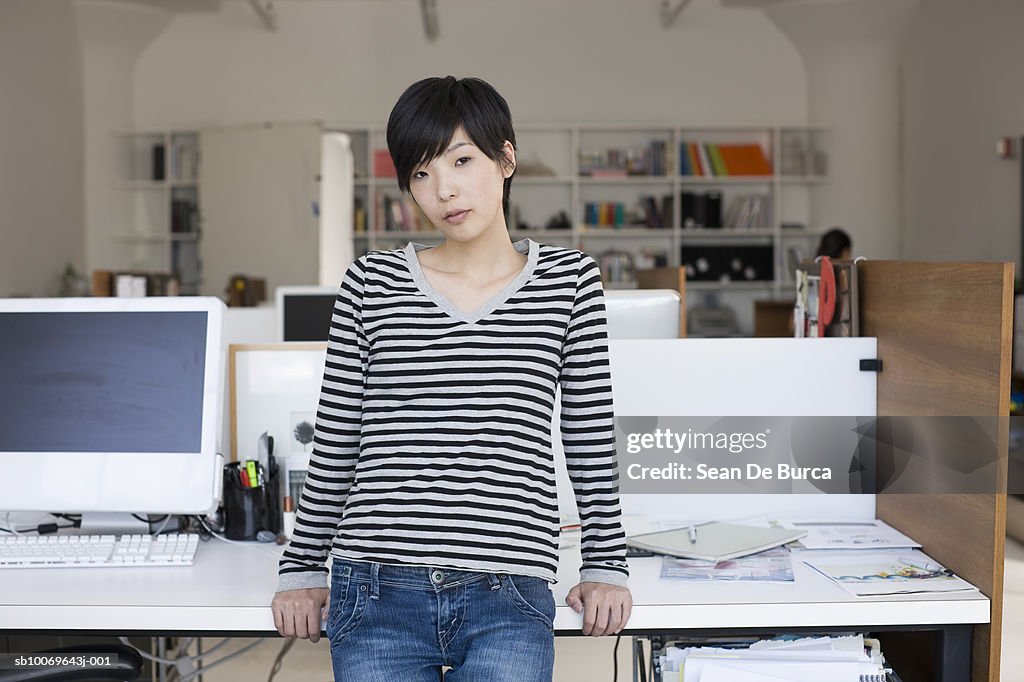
(437, 576)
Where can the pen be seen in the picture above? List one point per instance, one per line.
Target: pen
(693, 534)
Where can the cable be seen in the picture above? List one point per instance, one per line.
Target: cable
(147, 656)
(615, 659)
(276, 668)
(163, 525)
(202, 669)
(220, 537)
(173, 661)
(643, 662)
(41, 529)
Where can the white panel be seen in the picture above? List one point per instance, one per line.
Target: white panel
(727, 377)
(336, 251)
(258, 189)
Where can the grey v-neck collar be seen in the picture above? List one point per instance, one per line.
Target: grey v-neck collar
(525, 246)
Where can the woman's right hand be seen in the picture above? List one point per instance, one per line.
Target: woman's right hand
(298, 613)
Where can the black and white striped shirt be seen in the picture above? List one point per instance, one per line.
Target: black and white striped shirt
(433, 433)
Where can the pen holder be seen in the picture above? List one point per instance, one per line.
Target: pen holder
(250, 510)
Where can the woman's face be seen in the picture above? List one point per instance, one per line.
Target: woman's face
(464, 182)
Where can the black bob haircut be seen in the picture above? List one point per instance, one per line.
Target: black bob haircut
(426, 115)
(833, 242)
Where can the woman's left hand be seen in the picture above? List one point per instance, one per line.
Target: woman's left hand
(605, 607)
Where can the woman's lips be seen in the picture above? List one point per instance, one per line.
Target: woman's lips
(457, 218)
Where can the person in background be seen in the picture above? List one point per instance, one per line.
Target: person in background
(835, 244)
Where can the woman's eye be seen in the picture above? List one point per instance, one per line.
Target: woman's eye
(464, 158)
(418, 174)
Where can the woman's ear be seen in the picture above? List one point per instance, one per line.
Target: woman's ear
(509, 165)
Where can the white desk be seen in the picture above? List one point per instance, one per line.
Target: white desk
(229, 589)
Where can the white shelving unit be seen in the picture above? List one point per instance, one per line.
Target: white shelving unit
(158, 171)
(797, 155)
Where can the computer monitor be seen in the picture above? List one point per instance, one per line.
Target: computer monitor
(643, 313)
(304, 313)
(110, 405)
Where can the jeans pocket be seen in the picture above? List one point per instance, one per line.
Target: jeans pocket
(348, 601)
(532, 597)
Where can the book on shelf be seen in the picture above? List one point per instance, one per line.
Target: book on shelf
(383, 166)
(749, 211)
(399, 215)
(700, 209)
(705, 159)
(183, 214)
(654, 160)
(744, 159)
(604, 213)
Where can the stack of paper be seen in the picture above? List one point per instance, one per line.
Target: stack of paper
(837, 659)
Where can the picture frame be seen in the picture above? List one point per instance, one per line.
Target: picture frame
(275, 388)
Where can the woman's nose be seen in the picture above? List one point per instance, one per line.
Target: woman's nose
(446, 188)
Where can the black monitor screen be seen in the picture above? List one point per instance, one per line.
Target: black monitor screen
(307, 317)
(102, 381)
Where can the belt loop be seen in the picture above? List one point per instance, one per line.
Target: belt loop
(374, 581)
(493, 580)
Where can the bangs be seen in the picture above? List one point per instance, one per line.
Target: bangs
(429, 112)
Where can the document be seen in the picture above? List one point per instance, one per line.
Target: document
(869, 534)
(883, 573)
(772, 565)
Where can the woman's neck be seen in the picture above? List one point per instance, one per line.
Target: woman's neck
(482, 258)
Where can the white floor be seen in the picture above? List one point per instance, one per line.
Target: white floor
(580, 659)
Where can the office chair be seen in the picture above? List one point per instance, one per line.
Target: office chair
(128, 666)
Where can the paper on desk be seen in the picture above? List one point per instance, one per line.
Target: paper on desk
(881, 573)
(772, 565)
(869, 534)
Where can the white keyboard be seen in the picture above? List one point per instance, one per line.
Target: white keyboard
(78, 551)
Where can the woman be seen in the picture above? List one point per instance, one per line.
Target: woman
(432, 481)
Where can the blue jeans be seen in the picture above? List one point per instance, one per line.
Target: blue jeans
(388, 623)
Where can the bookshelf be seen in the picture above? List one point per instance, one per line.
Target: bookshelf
(571, 178)
(157, 171)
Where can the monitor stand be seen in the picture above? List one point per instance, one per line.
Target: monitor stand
(113, 523)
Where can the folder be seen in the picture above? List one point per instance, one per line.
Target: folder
(715, 541)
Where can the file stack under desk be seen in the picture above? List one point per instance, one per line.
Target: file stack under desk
(847, 658)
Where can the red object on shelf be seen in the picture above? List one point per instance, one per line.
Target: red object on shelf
(383, 167)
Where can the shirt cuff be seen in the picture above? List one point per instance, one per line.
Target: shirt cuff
(602, 575)
(301, 580)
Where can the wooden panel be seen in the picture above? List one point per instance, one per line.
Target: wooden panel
(944, 337)
(667, 278)
(773, 318)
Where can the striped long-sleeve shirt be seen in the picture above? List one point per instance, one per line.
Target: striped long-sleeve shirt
(432, 442)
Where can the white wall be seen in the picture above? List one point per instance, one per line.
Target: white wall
(570, 60)
(962, 76)
(41, 224)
